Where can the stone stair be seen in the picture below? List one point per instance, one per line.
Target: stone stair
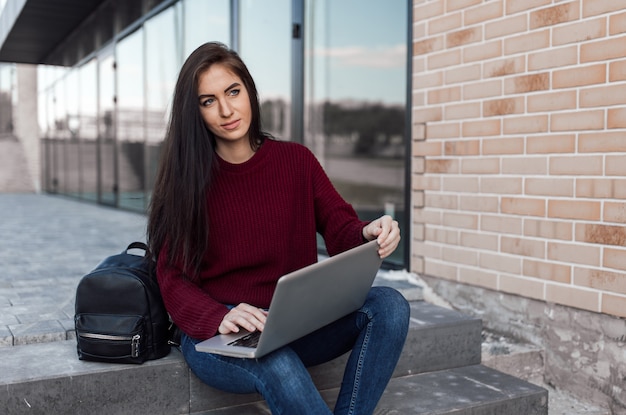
(440, 372)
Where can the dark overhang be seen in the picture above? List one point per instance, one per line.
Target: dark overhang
(31, 30)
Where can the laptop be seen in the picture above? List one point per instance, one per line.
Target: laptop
(304, 301)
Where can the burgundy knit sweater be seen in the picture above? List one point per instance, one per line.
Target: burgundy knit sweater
(263, 219)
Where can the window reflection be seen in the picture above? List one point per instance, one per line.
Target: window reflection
(355, 101)
(205, 21)
(72, 146)
(130, 121)
(266, 26)
(88, 129)
(107, 184)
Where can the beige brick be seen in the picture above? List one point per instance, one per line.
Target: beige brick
(614, 305)
(484, 89)
(444, 130)
(463, 37)
(524, 166)
(443, 95)
(527, 42)
(444, 59)
(526, 124)
(439, 201)
(576, 165)
(574, 253)
(481, 128)
(616, 118)
(428, 10)
(505, 106)
(579, 76)
(523, 246)
(554, 143)
(603, 96)
(596, 7)
(464, 184)
(577, 32)
(552, 101)
(479, 240)
(480, 165)
(459, 256)
(601, 279)
(525, 287)
(487, 11)
(548, 229)
(527, 83)
(601, 188)
(548, 271)
(417, 264)
(611, 142)
(553, 58)
(419, 99)
(428, 80)
(442, 235)
(595, 233)
(617, 71)
(516, 6)
(578, 120)
(573, 297)
(554, 15)
(417, 200)
(574, 209)
(523, 206)
(603, 50)
(418, 131)
(480, 203)
(460, 220)
(501, 224)
(479, 278)
(506, 27)
(453, 5)
(440, 270)
(427, 114)
(614, 212)
(504, 67)
(513, 145)
(615, 165)
(463, 74)
(427, 148)
(462, 148)
(427, 216)
(499, 262)
(426, 183)
(438, 166)
(426, 46)
(549, 187)
(419, 31)
(445, 23)
(615, 258)
(501, 185)
(462, 111)
(483, 51)
(617, 24)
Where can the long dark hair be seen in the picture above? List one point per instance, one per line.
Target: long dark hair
(177, 213)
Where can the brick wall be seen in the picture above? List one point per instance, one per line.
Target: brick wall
(519, 148)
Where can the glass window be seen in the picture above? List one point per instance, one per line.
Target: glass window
(355, 89)
(130, 121)
(87, 129)
(72, 150)
(107, 182)
(163, 60)
(267, 26)
(205, 21)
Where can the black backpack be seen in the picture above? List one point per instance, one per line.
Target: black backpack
(119, 313)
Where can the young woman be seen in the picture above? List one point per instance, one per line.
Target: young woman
(232, 211)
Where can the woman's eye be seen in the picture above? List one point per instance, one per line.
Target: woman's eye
(234, 92)
(208, 101)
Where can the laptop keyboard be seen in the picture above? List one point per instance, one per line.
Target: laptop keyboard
(249, 340)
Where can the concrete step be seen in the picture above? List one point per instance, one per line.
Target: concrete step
(470, 390)
(48, 378)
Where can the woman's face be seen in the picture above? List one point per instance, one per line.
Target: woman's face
(224, 105)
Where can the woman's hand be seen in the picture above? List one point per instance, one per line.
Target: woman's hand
(245, 316)
(386, 231)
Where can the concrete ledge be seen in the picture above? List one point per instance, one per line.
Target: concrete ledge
(48, 377)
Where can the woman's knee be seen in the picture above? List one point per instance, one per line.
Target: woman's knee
(390, 304)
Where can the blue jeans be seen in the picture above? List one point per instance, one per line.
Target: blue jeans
(375, 333)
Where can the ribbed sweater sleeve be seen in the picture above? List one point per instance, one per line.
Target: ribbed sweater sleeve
(263, 218)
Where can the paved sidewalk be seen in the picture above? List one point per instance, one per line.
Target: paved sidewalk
(47, 243)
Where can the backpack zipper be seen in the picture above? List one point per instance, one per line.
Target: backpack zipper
(134, 340)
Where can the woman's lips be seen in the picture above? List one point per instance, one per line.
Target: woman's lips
(231, 125)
